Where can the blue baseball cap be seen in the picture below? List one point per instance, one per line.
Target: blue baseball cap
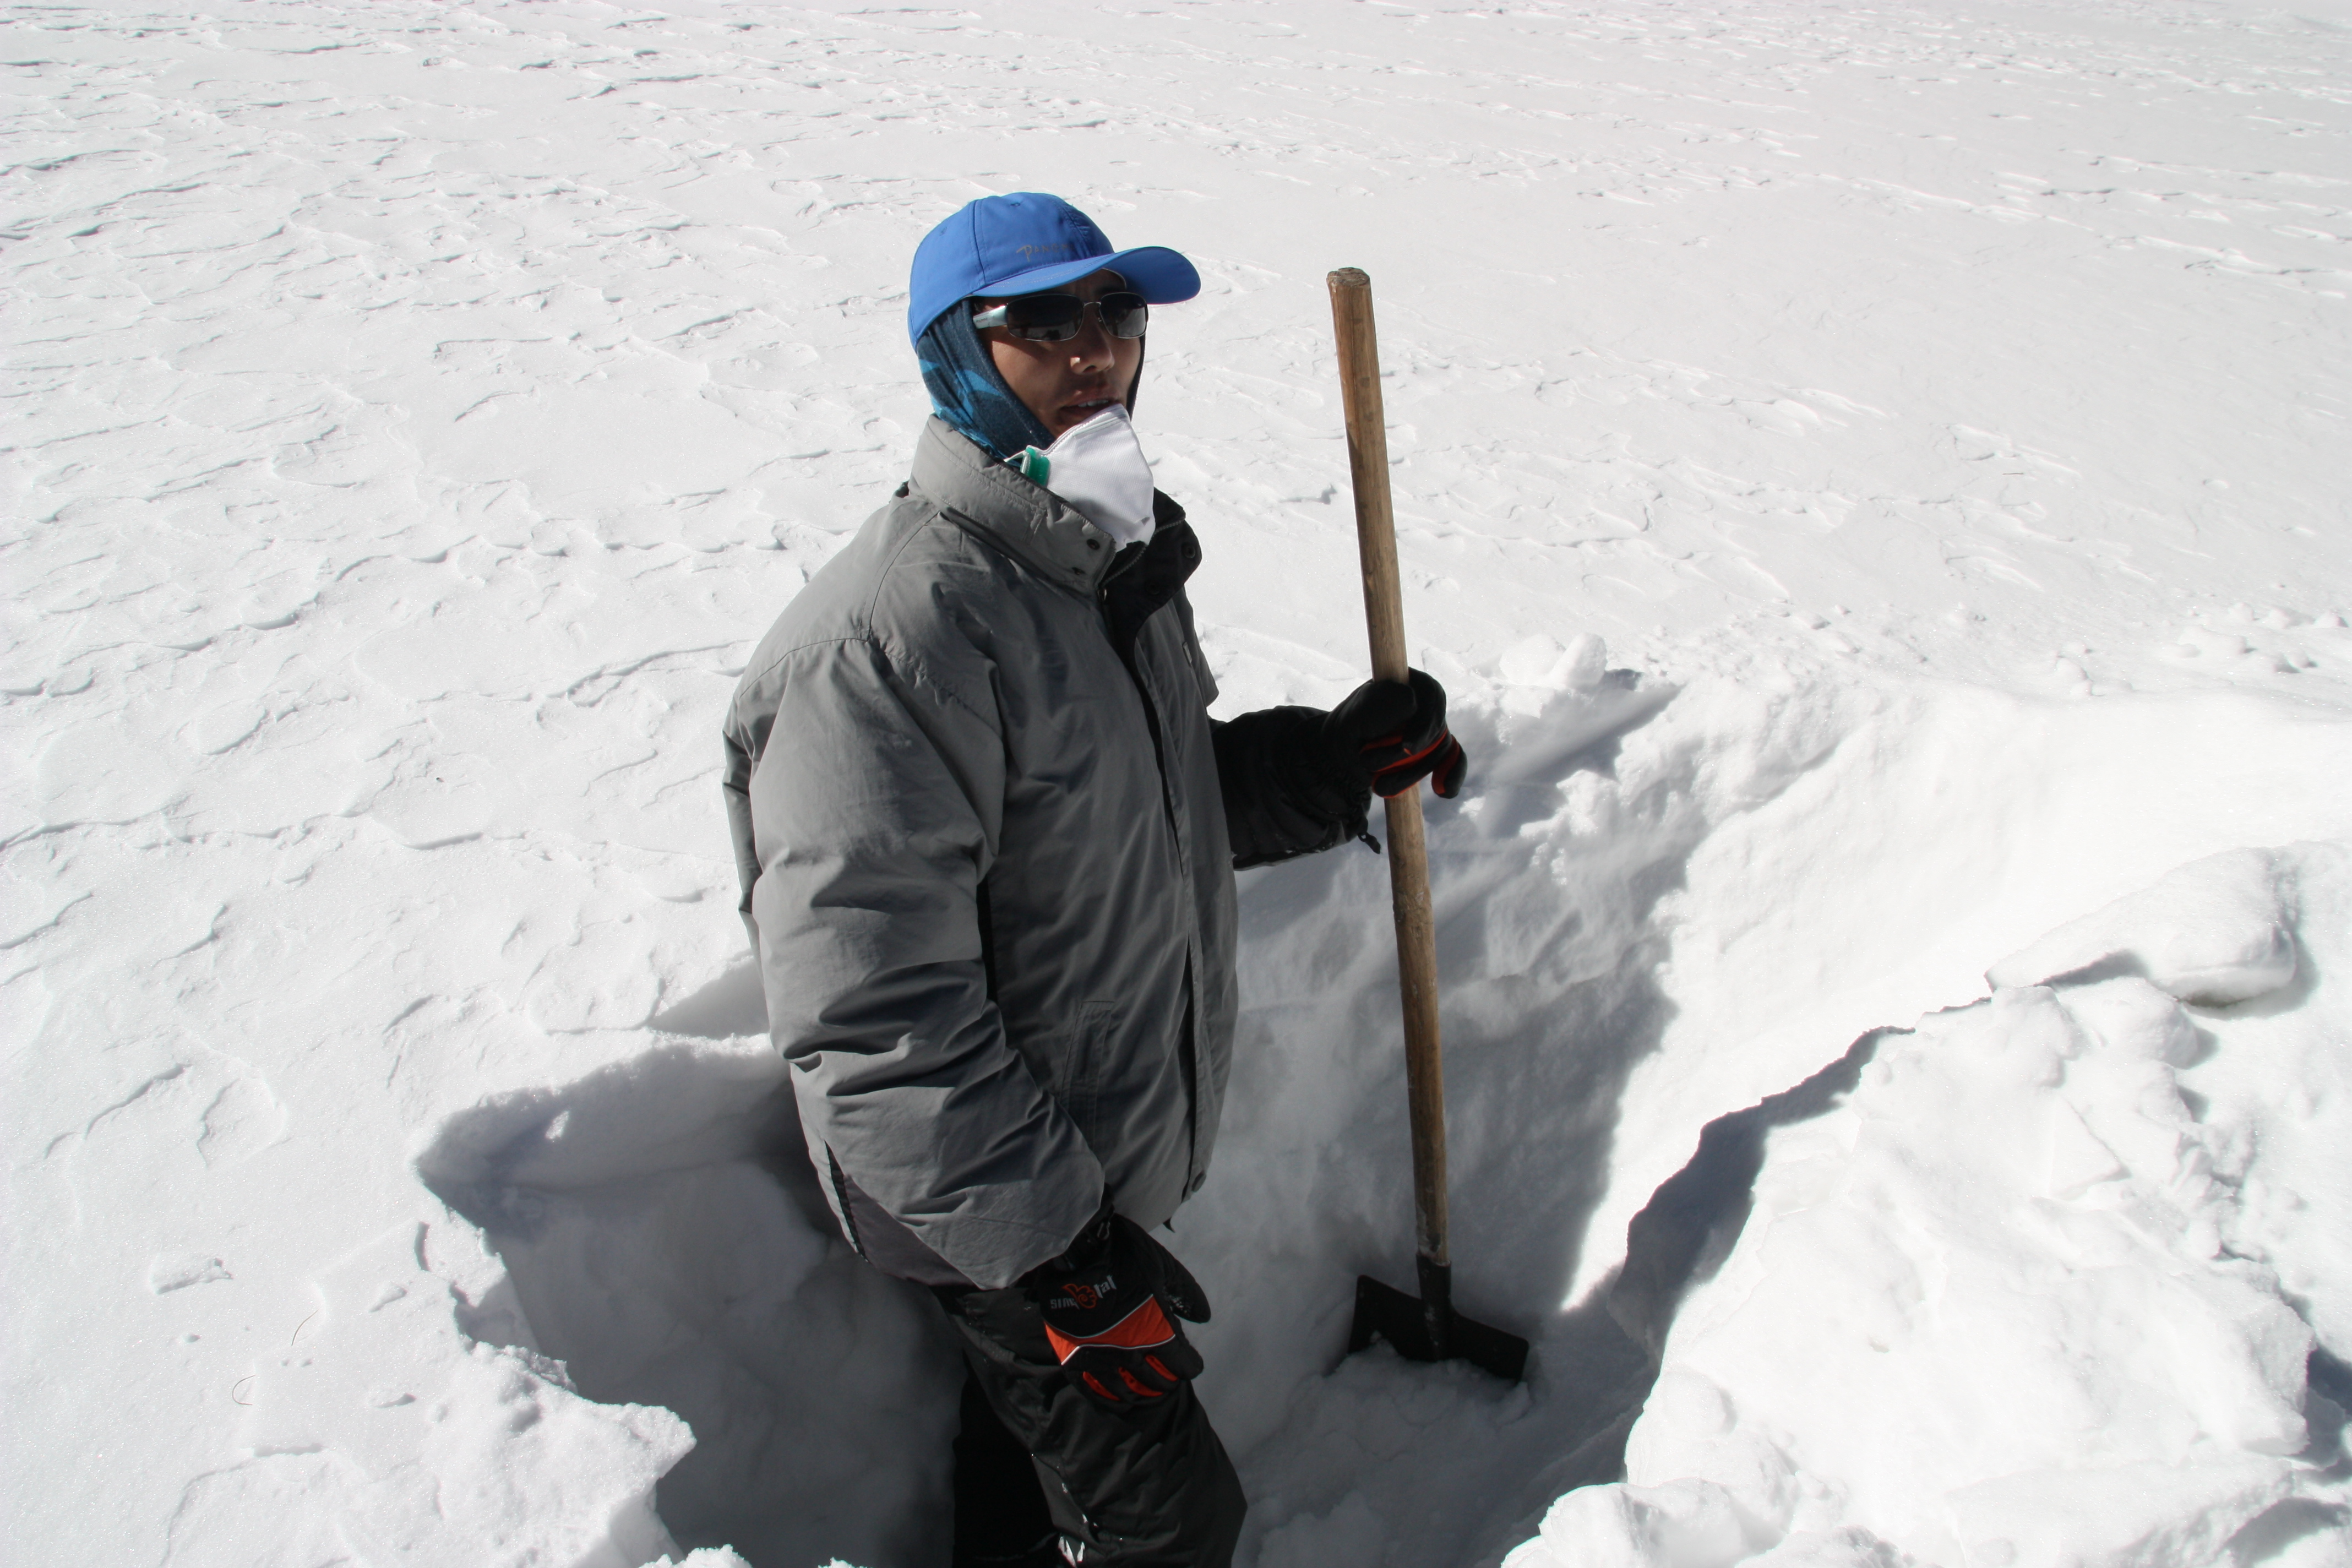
(1026, 243)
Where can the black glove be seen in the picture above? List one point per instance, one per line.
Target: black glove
(1296, 781)
(1108, 1303)
(1392, 734)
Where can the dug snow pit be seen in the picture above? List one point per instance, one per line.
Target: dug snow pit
(667, 1243)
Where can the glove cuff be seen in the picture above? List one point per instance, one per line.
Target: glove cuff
(1087, 1249)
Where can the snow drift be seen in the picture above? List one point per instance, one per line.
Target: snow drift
(2059, 1283)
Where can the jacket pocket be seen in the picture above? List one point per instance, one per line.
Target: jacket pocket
(1082, 1070)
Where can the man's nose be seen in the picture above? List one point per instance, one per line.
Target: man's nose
(1091, 348)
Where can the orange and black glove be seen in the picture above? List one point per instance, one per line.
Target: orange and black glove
(1110, 1305)
(1297, 780)
(1391, 734)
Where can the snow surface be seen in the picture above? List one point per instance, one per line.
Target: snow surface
(1872, 479)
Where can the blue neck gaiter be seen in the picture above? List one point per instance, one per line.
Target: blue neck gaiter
(968, 392)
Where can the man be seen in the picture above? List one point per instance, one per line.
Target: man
(987, 833)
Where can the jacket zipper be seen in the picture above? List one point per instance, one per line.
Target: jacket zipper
(1188, 1067)
(1151, 712)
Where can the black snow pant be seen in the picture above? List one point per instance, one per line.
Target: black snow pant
(1038, 1464)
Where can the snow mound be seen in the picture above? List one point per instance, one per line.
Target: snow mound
(2059, 1283)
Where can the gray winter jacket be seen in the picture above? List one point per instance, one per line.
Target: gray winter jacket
(976, 800)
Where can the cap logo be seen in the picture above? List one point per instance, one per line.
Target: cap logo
(1030, 250)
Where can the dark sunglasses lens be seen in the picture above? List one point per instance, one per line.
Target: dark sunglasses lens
(1126, 315)
(1054, 317)
(1047, 318)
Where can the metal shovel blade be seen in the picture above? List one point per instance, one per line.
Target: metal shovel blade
(1427, 1328)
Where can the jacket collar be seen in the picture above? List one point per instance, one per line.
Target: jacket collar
(1146, 576)
(1019, 517)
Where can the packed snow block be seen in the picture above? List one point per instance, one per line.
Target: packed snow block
(2130, 1018)
(2214, 933)
(1540, 661)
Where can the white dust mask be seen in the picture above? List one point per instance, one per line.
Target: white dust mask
(1099, 469)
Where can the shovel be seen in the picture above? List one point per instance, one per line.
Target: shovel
(1426, 1327)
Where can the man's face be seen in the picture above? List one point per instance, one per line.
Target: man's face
(1065, 385)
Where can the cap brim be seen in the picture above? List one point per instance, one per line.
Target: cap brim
(1161, 275)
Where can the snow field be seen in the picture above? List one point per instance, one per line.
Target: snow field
(1870, 479)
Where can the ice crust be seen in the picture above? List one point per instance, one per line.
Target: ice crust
(1870, 479)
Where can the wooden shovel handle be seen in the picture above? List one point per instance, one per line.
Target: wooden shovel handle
(1408, 851)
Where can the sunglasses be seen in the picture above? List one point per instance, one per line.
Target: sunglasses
(1056, 318)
